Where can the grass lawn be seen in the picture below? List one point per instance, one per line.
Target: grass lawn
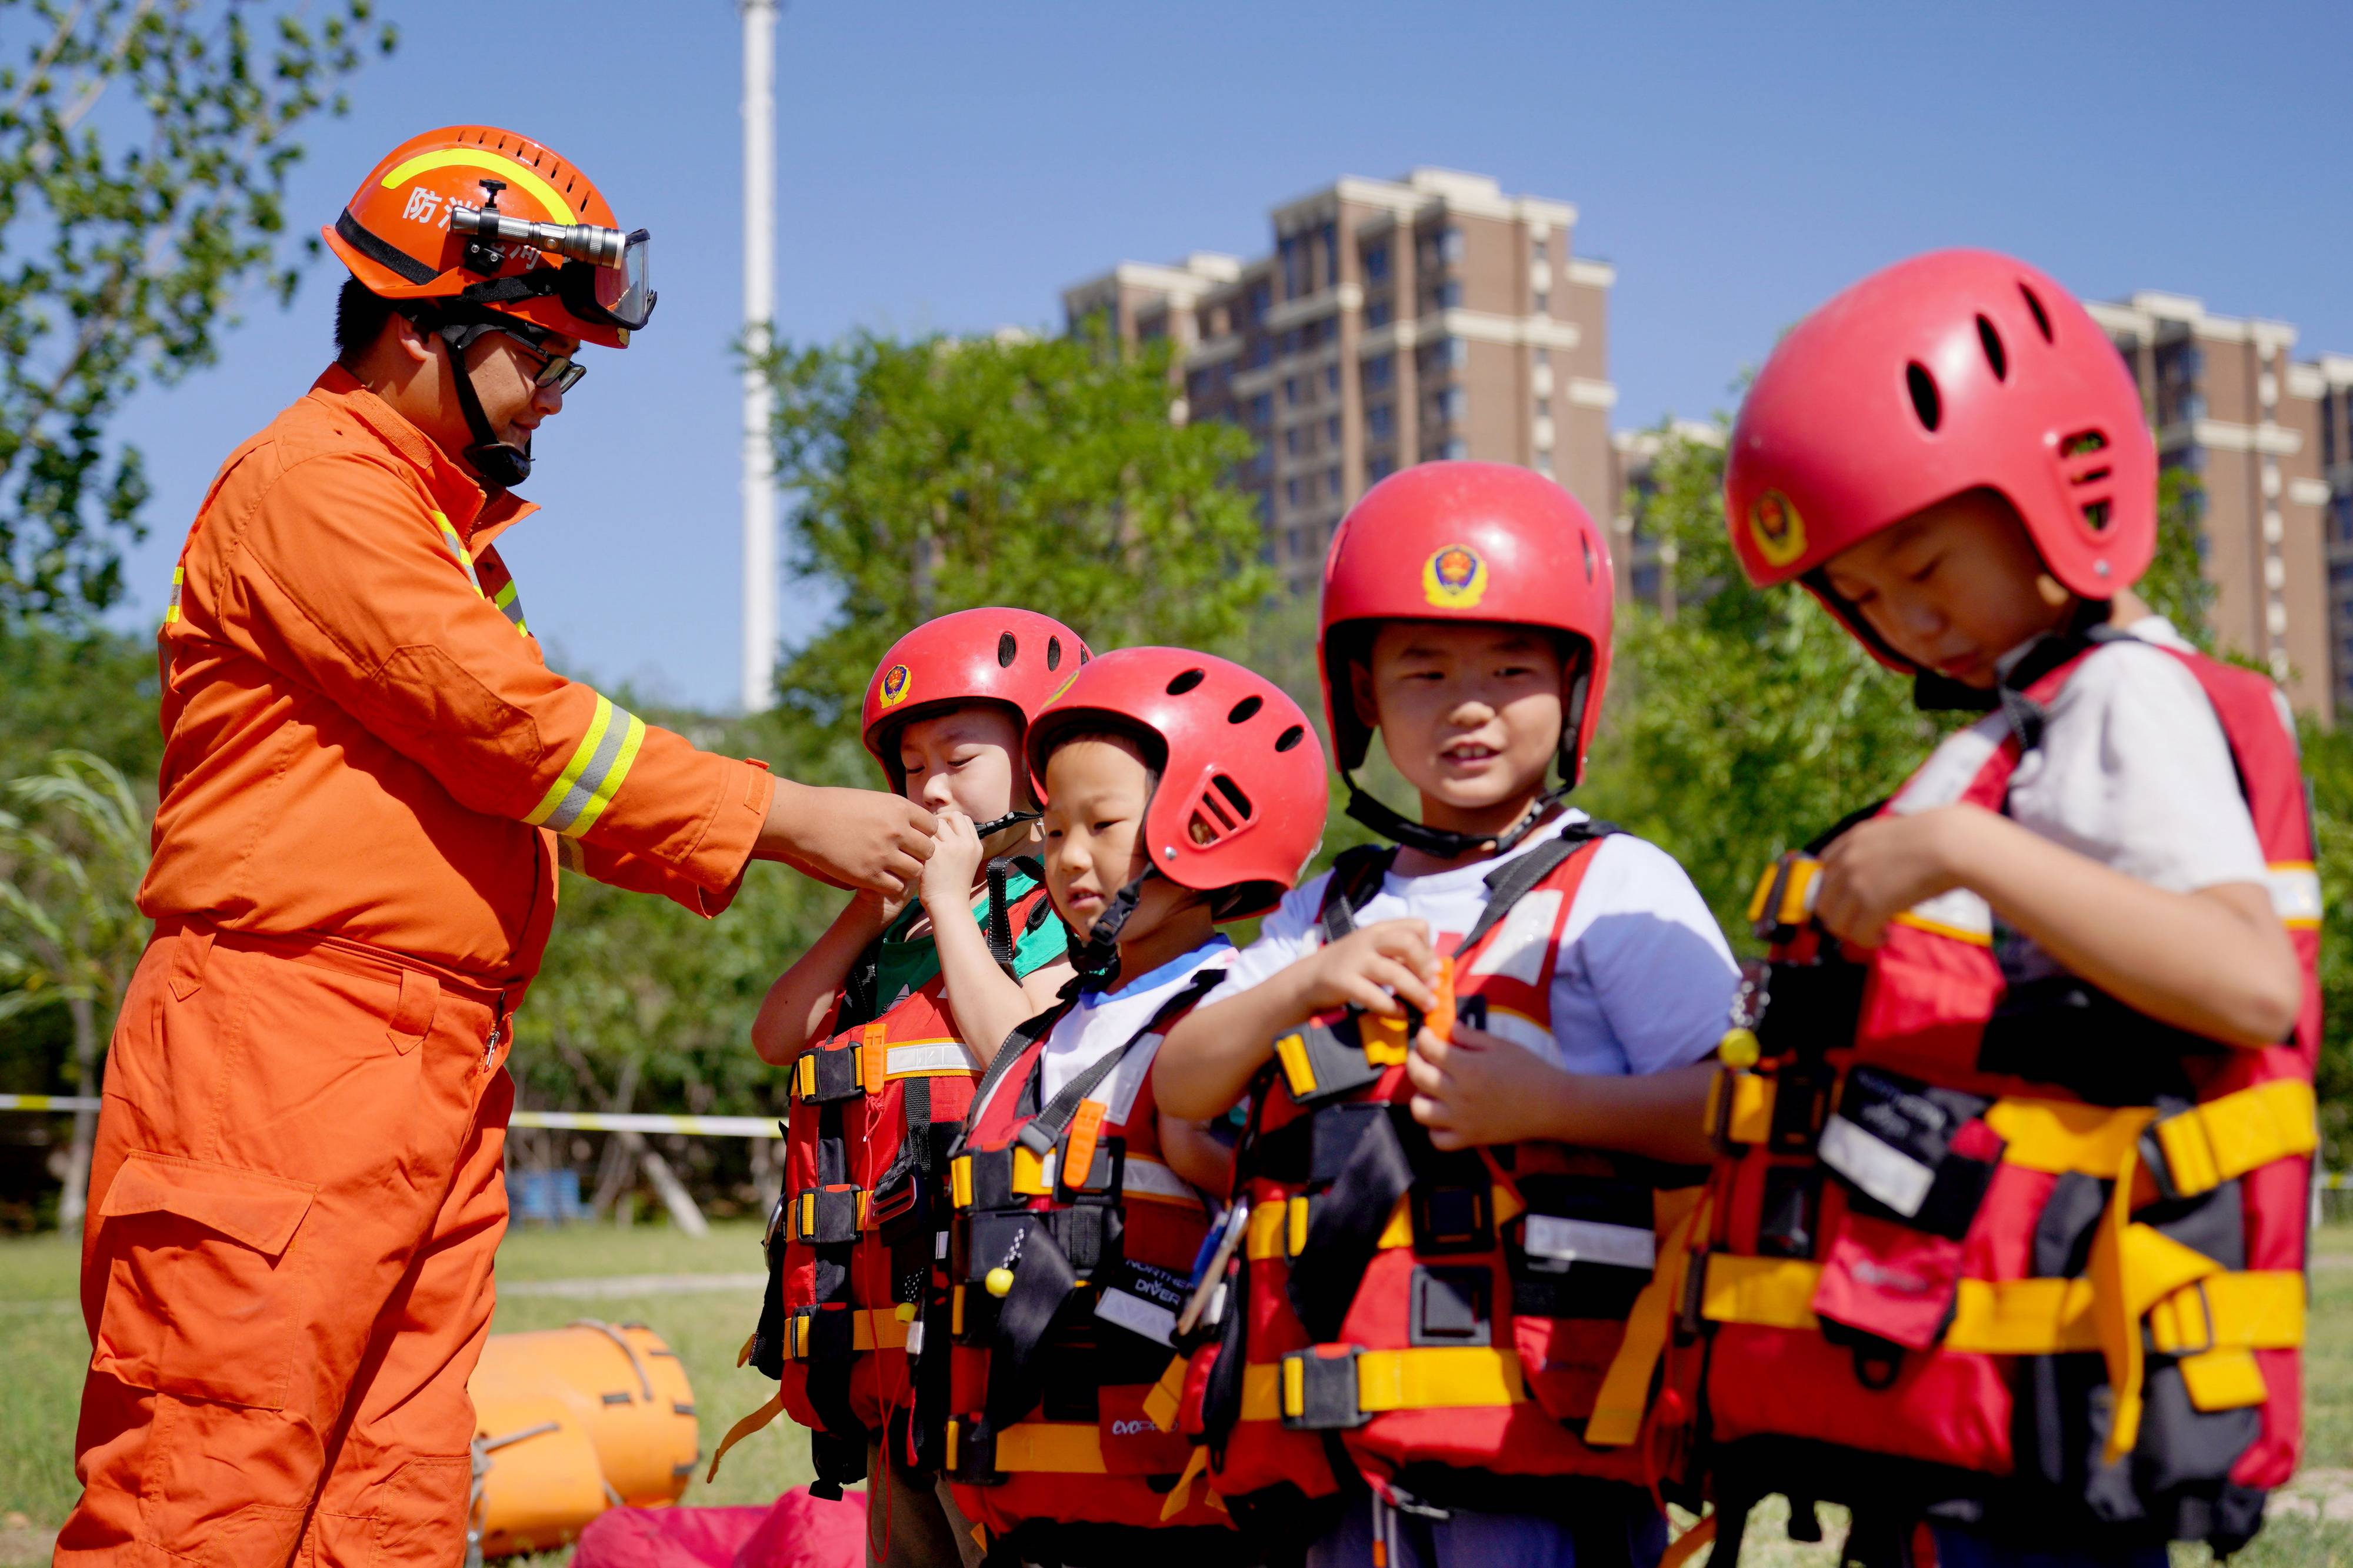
(43, 1350)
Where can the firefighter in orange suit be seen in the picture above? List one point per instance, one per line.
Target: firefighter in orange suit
(369, 780)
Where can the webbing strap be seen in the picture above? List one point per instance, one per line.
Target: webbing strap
(1042, 1281)
(2253, 1309)
(1425, 1377)
(1625, 1392)
(1514, 880)
(742, 1429)
(1345, 1225)
(871, 1329)
(1045, 1129)
(2224, 1138)
(1281, 1230)
(1356, 876)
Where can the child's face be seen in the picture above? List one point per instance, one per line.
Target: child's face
(964, 757)
(1470, 712)
(1952, 587)
(1097, 791)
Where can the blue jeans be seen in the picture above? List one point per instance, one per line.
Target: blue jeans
(1959, 1549)
(1631, 1537)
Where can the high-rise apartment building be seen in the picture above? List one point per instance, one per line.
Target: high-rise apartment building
(1392, 323)
(2266, 438)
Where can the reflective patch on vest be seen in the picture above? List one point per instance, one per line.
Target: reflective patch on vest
(1142, 1300)
(1568, 1241)
(1876, 1167)
(1952, 767)
(1959, 914)
(931, 1056)
(1523, 1032)
(1521, 945)
(2295, 893)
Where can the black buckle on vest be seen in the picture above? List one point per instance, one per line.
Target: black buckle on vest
(821, 1334)
(1327, 1389)
(1801, 1102)
(1088, 1235)
(1689, 1317)
(992, 1179)
(1451, 1307)
(1319, 1062)
(1103, 1179)
(899, 1197)
(832, 1075)
(975, 1447)
(1452, 1218)
(826, 1217)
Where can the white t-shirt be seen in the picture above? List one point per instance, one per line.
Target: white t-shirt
(1644, 980)
(2132, 772)
(1103, 1021)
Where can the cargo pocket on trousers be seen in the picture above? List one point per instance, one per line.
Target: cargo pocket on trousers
(200, 1299)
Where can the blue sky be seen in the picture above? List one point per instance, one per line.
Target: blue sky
(952, 166)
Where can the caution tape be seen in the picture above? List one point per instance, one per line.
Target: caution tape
(567, 1120)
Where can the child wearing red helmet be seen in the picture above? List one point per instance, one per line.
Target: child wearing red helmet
(2024, 1150)
(1181, 791)
(886, 1022)
(1446, 1241)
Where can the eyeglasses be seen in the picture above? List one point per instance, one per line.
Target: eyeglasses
(561, 372)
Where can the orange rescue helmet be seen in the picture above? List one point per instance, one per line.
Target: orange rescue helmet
(559, 260)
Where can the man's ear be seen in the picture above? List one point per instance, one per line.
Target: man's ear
(1361, 695)
(411, 342)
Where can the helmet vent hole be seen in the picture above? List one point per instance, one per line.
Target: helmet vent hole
(1185, 681)
(1289, 738)
(1224, 799)
(1053, 654)
(2034, 306)
(2095, 516)
(1924, 401)
(1993, 349)
(1246, 709)
(2083, 441)
(1084, 654)
(1007, 649)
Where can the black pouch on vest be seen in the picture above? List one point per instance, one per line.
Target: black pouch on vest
(1890, 1142)
(1585, 1247)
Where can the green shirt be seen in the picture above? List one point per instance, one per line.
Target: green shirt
(905, 966)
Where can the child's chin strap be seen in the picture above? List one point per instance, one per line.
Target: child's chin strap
(984, 831)
(1097, 960)
(1443, 843)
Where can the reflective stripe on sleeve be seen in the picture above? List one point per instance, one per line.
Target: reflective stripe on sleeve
(510, 605)
(594, 775)
(171, 612)
(2295, 893)
(458, 548)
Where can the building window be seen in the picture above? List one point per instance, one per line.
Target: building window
(1376, 263)
(1544, 407)
(1291, 491)
(1331, 235)
(1540, 356)
(1456, 450)
(1291, 392)
(1377, 314)
(1538, 252)
(1332, 430)
(1261, 409)
(1377, 373)
(1448, 294)
(1544, 464)
(1379, 466)
(1290, 441)
(1450, 245)
(1331, 480)
(1544, 302)
(1331, 380)
(1455, 352)
(1454, 404)
(1380, 421)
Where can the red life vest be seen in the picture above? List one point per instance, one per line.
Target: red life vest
(875, 1110)
(1064, 1296)
(1442, 1324)
(2015, 1255)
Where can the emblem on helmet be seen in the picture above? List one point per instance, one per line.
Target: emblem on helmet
(1454, 578)
(1780, 531)
(896, 682)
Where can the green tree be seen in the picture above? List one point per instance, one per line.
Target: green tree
(2176, 585)
(70, 929)
(940, 473)
(124, 237)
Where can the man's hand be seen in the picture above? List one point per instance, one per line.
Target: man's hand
(956, 860)
(859, 838)
(1875, 871)
(1383, 969)
(1480, 1088)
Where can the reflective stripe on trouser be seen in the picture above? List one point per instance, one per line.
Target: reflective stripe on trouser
(295, 1199)
(594, 775)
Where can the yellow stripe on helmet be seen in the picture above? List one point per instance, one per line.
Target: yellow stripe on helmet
(519, 174)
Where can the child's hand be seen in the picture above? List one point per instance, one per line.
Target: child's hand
(1479, 1088)
(1383, 969)
(1875, 871)
(954, 862)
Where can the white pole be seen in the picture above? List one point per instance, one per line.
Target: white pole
(759, 310)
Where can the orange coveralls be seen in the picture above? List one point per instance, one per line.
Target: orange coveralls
(369, 774)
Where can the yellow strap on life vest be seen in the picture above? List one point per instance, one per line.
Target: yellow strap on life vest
(1690, 1543)
(742, 1429)
(1427, 1378)
(1167, 1400)
(2225, 1137)
(2257, 1310)
(804, 1212)
(1795, 906)
(1625, 1392)
(1056, 1447)
(1749, 1118)
(1197, 1465)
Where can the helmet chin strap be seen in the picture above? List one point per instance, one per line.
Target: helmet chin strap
(502, 465)
(1097, 960)
(1442, 843)
(984, 831)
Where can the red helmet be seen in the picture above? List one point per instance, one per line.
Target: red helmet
(561, 262)
(1956, 371)
(1239, 807)
(1467, 542)
(1013, 656)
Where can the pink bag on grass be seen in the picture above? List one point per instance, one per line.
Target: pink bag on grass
(796, 1532)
